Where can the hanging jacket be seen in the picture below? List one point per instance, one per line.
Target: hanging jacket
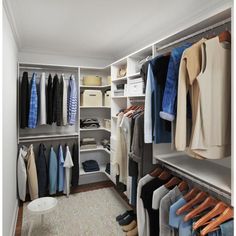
(55, 97)
(33, 108)
(72, 101)
(50, 100)
(59, 103)
(22, 173)
(42, 111)
(24, 101)
(64, 101)
(67, 164)
(52, 172)
(75, 168)
(42, 173)
(60, 186)
(32, 173)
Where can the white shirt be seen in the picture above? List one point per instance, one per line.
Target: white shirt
(67, 164)
(42, 111)
(142, 214)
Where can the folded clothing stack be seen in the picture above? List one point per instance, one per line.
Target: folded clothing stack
(106, 144)
(119, 91)
(87, 143)
(89, 123)
(90, 165)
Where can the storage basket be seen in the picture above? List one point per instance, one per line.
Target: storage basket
(92, 80)
(91, 98)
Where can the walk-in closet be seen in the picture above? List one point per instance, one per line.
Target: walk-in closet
(118, 118)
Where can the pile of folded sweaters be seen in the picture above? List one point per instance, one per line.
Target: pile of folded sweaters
(90, 166)
(88, 143)
(89, 123)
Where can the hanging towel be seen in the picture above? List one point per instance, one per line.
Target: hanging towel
(21, 173)
(42, 174)
(50, 100)
(72, 101)
(75, 168)
(42, 112)
(64, 101)
(55, 97)
(32, 173)
(60, 169)
(52, 172)
(33, 108)
(24, 101)
(67, 164)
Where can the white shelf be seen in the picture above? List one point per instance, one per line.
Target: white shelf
(95, 129)
(117, 97)
(95, 87)
(118, 80)
(48, 136)
(102, 170)
(134, 75)
(94, 107)
(137, 96)
(99, 148)
(217, 176)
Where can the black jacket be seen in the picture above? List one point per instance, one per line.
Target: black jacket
(41, 165)
(59, 103)
(75, 168)
(49, 100)
(55, 97)
(24, 101)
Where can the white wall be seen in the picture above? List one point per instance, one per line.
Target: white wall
(9, 154)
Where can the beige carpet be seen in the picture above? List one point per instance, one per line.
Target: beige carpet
(90, 213)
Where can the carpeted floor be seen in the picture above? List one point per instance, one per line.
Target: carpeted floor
(90, 213)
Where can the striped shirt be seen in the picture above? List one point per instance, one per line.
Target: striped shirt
(72, 101)
(33, 108)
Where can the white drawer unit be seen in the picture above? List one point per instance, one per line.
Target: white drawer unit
(107, 99)
(91, 98)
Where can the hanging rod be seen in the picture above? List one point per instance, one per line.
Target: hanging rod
(195, 34)
(49, 68)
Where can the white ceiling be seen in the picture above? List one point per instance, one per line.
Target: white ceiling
(101, 28)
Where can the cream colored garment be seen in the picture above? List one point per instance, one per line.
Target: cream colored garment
(121, 151)
(42, 111)
(32, 173)
(212, 133)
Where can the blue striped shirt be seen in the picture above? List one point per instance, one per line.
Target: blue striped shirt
(72, 101)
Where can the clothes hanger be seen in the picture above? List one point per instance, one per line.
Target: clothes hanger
(191, 194)
(199, 198)
(225, 37)
(183, 186)
(217, 210)
(172, 182)
(164, 175)
(156, 172)
(226, 215)
(209, 202)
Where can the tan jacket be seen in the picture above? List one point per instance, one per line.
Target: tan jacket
(32, 173)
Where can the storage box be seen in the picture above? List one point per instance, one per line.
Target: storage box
(92, 80)
(107, 99)
(91, 98)
(136, 87)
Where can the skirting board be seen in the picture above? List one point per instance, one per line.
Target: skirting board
(14, 219)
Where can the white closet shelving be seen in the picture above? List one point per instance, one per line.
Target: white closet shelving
(100, 154)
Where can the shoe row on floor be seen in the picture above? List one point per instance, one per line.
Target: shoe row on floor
(128, 223)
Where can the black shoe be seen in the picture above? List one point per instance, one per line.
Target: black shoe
(127, 220)
(120, 217)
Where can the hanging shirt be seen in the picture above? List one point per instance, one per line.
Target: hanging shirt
(42, 172)
(42, 112)
(22, 173)
(60, 169)
(52, 172)
(59, 103)
(72, 101)
(33, 107)
(55, 96)
(32, 173)
(24, 101)
(50, 100)
(67, 164)
(64, 101)
(75, 168)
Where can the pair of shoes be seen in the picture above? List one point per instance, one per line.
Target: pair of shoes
(130, 226)
(120, 217)
(133, 232)
(127, 220)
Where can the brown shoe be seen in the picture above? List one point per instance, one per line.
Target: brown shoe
(133, 232)
(130, 226)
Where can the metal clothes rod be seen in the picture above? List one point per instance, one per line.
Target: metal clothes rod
(47, 139)
(195, 34)
(51, 69)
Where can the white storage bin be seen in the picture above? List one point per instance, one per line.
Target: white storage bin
(91, 98)
(136, 88)
(107, 99)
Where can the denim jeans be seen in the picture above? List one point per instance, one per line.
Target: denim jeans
(169, 99)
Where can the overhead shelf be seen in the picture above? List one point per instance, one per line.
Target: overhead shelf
(216, 176)
(99, 148)
(95, 87)
(94, 107)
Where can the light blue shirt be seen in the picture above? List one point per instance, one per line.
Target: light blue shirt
(60, 169)
(52, 172)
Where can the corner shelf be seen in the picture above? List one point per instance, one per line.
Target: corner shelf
(99, 148)
(134, 75)
(117, 97)
(95, 129)
(118, 80)
(102, 170)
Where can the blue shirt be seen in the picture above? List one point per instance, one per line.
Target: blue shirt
(33, 108)
(52, 172)
(72, 101)
(60, 169)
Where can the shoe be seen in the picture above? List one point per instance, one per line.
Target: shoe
(130, 226)
(120, 217)
(127, 220)
(133, 232)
